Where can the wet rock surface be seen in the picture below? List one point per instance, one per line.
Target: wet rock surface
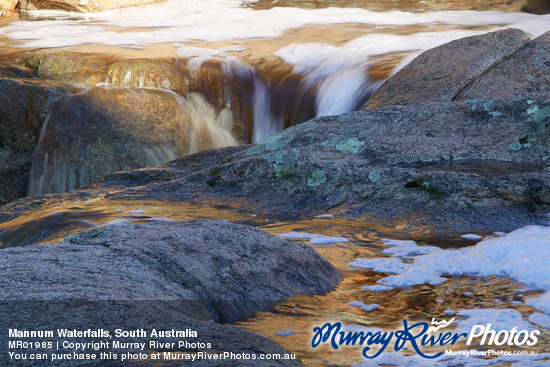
(68, 66)
(104, 130)
(456, 164)
(189, 273)
(14, 175)
(24, 105)
(373, 165)
(154, 73)
(451, 165)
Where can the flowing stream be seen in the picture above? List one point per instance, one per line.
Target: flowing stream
(299, 315)
(265, 66)
(244, 69)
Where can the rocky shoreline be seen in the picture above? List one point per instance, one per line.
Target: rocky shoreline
(458, 140)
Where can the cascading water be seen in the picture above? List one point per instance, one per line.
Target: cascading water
(309, 62)
(107, 129)
(208, 130)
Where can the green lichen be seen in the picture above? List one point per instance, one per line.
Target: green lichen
(317, 177)
(529, 102)
(374, 176)
(421, 185)
(488, 105)
(273, 143)
(343, 118)
(286, 170)
(495, 114)
(352, 145)
(541, 119)
(345, 145)
(545, 158)
(285, 163)
(532, 110)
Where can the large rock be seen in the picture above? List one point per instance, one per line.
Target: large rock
(24, 104)
(442, 73)
(153, 73)
(470, 165)
(104, 130)
(69, 66)
(524, 74)
(86, 6)
(160, 275)
(14, 175)
(447, 165)
(228, 269)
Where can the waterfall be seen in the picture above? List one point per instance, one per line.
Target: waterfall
(108, 129)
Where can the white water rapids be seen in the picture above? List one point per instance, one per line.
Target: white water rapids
(336, 71)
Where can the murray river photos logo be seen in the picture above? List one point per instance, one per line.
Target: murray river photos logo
(420, 337)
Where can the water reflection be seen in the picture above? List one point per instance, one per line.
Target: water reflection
(302, 313)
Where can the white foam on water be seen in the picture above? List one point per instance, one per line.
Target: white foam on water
(285, 333)
(383, 264)
(314, 239)
(541, 302)
(403, 249)
(540, 319)
(377, 288)
(471, 236)
(179, 21)
(368, 308)
(500, 319)
(338, 73)
(522, 255)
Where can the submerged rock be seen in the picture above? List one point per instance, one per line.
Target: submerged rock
(154, 73)
(69, 66)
